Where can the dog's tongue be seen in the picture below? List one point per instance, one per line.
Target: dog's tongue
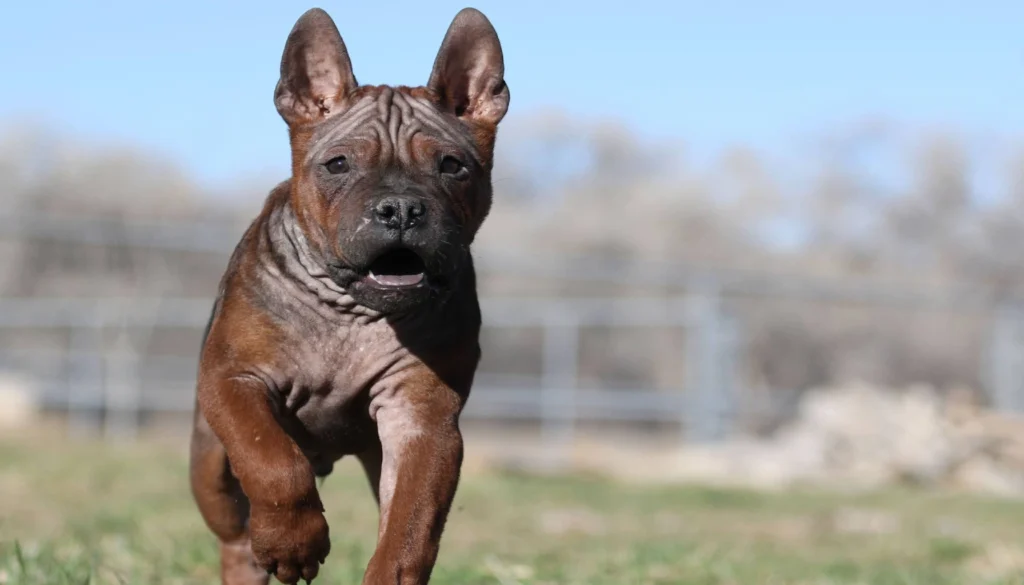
(397, 279)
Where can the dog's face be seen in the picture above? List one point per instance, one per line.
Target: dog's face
(391, 184)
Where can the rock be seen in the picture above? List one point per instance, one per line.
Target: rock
(859, 436)
(18, 406)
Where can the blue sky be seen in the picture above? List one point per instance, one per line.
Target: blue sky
(193, 79)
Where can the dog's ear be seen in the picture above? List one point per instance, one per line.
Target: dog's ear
(469, 71)
(316, 73)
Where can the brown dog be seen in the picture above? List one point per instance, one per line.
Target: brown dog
(347, 321)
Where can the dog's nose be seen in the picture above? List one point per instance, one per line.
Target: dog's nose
(400, 213)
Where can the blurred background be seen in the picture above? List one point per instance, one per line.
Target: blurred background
(756, 244)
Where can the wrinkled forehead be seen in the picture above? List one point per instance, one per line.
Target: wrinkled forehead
(391, 119)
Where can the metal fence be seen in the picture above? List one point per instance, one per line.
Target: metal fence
(99, 377)
(96, 375)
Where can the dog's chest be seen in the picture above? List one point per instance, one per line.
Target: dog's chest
(331, 376)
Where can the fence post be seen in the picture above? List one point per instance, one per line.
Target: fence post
(85, 379)
(730, 339)
(122, 393)
(559, 379)
(709, 366)
(1005, 354)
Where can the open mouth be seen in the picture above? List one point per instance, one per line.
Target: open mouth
(397, 268)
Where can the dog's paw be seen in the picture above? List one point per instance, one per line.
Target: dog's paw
(289, 543)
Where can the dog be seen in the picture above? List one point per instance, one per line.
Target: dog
(347, 320)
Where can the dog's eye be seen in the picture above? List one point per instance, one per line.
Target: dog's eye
(453, 166)
(337, 166)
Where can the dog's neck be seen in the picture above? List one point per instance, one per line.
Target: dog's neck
(298, 263)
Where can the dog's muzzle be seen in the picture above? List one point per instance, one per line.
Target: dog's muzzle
(401, 255)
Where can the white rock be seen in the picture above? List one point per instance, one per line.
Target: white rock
(18, 406)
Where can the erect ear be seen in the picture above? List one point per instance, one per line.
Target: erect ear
(469, 71)
(316, 73)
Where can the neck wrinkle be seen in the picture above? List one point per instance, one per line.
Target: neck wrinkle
(295, 259)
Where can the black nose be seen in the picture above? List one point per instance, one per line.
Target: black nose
(400, 213)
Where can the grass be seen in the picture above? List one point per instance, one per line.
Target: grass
(88, 514)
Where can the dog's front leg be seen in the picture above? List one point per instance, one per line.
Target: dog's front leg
(420, 464)
(287, 528)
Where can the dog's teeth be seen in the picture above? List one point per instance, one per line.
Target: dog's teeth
(396, 279)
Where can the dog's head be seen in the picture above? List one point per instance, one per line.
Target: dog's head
(391, 184)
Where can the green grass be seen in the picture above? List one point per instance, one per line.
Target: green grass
(88, 514)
